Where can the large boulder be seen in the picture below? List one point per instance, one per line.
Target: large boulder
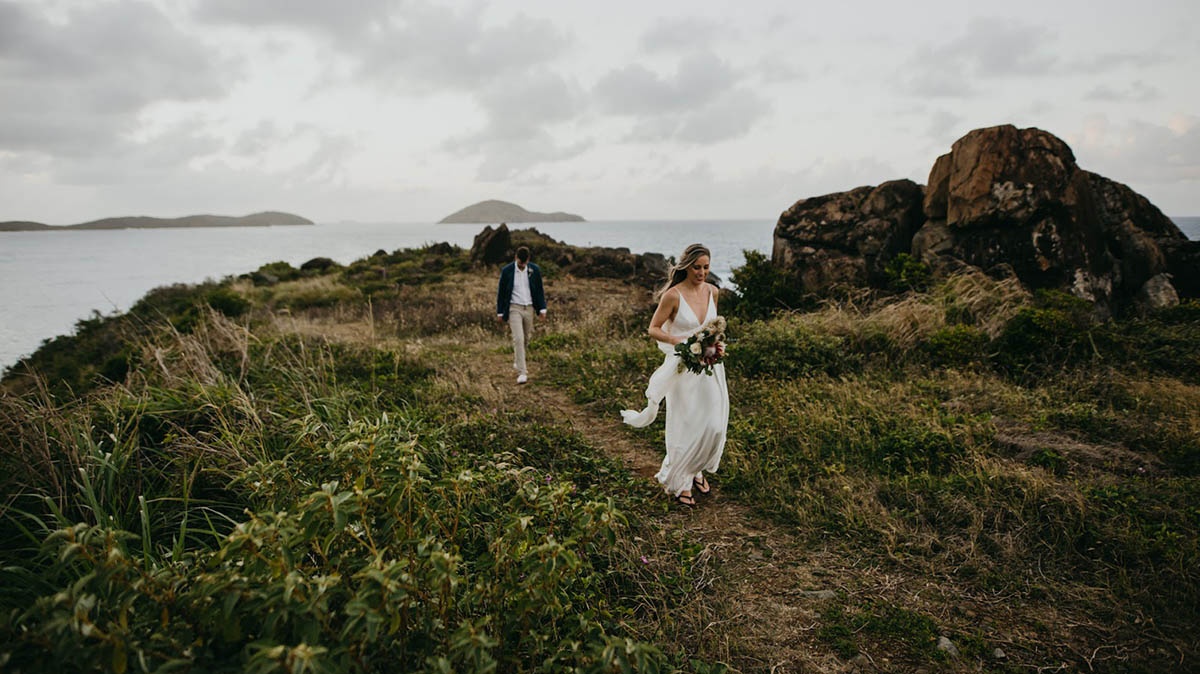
(848, 237)
(492, 246)
(318, 264)
(1014, 199)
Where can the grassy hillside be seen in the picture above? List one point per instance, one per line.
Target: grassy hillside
(330, 471)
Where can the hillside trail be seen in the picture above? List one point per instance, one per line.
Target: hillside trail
(762, 572)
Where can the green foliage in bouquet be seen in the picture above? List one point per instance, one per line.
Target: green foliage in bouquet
(700, 352)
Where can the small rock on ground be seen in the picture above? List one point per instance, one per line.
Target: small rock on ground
(860, 663)
(945, 644)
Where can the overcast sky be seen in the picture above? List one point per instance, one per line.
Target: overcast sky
(407, 111)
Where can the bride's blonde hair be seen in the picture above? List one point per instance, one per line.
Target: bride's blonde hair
(678, 272)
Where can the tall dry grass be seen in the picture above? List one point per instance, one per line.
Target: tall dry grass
(972, 299)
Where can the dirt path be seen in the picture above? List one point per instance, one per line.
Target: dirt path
(758, 570)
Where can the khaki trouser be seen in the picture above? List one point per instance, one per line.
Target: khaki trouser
(520, 321)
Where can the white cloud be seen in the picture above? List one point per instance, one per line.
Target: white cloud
(683, 33)
(945, 126)
(702, 102)
(345, 22)
(353, 109)
(988, 48)
(424, 45)
(76, 87)
(1138, 91)
(1139, 151)
(515, 137)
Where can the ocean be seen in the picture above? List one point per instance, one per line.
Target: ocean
(52, 279)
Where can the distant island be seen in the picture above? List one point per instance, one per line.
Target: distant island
(264, 219)
(494, 210)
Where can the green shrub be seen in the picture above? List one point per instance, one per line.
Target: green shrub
(1166, 341)
(763, 288)
(102, 347)
(904, 272)
(365, 571)
(1058, 330)
(280, 271)
(1186, 312)
(384, 274)
(783, 348)
(300, 515)
(227, 302)
(315, 294)
(956, 345)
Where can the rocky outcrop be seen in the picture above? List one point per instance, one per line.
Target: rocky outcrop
(848, 237)
(498, 246)
(494, 210)
(1016, 197)
(493, 246)
(647, 269)
(1008, 201)
(318, 264)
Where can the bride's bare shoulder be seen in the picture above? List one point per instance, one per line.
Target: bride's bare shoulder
(669, 299)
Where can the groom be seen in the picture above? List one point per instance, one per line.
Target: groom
(518, 297)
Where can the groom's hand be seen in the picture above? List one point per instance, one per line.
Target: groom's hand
(542, 315)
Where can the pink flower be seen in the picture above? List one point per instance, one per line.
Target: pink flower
(644, 560)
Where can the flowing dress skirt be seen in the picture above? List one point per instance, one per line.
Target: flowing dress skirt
(697, 419)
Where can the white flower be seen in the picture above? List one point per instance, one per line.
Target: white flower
(695, 348)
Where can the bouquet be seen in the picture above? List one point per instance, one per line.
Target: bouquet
(704, 349)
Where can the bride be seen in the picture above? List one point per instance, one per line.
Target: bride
(697, 404)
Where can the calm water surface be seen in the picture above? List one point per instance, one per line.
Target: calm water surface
(50, 280)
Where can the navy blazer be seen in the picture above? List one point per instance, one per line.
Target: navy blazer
(504, 292)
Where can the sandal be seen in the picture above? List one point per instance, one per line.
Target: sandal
(679, 499)
(702, 485)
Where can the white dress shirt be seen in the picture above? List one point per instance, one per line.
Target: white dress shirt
(521, 293)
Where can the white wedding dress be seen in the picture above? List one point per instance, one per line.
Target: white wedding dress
(697, 408)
